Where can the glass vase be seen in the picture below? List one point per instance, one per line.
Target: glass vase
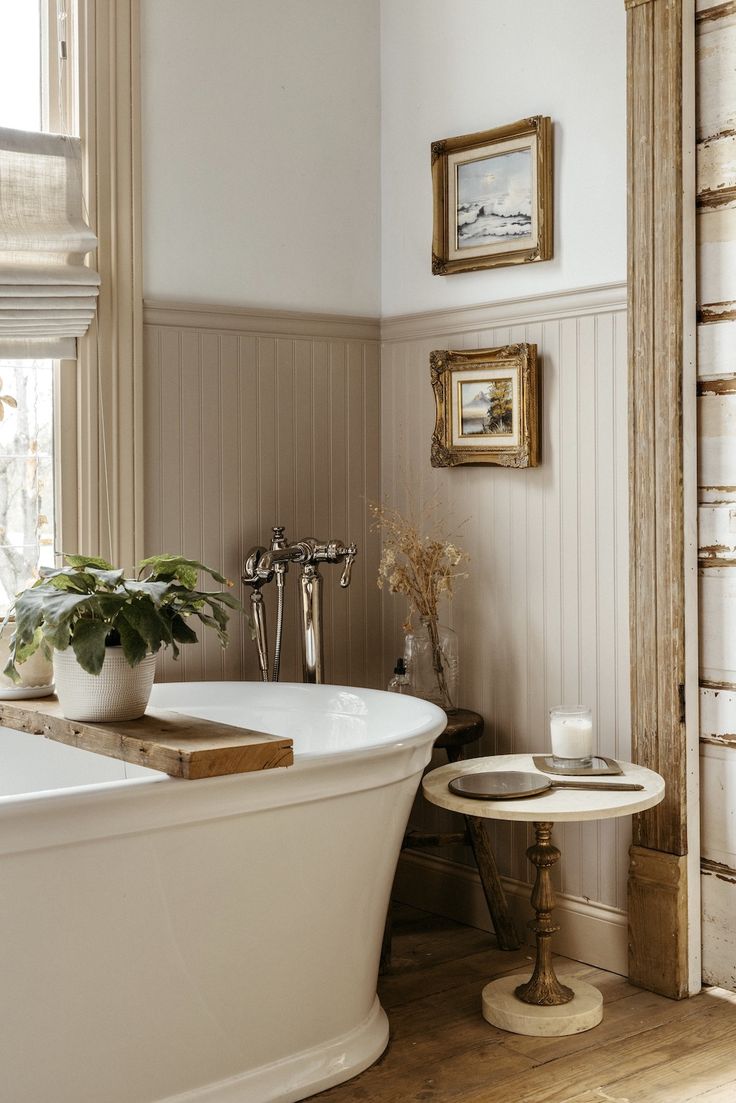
(431, 655)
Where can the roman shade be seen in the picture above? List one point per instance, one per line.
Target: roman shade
(47, 293)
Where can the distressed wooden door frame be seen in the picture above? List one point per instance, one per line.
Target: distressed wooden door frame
(664, 882)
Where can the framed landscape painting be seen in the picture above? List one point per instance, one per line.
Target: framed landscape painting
(493, 197)
(486, 405)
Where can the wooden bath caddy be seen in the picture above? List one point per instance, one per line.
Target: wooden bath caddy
(179, 745)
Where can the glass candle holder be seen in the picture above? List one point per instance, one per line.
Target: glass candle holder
(571, 732)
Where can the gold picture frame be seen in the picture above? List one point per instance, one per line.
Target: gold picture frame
(486, 404)
(493, 197)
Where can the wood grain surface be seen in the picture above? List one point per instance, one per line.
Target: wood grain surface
(657, 508)
(648, 1049)
(179, 745)
(662, 500)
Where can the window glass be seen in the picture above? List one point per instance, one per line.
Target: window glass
(26, 390)
(20, 64)
(26, 473)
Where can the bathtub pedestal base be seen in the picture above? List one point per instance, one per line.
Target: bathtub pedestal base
(221, 929)
(303, 1074)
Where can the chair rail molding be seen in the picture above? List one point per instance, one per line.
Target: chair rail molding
(261, 322)
(664, 880)
(578, 302)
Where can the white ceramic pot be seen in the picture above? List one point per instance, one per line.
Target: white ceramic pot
(36, 673)
(118, 692)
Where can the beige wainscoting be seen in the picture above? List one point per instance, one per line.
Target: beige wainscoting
(254, 419)
(543, 617)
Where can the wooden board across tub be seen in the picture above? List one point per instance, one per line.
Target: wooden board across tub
(179, 745)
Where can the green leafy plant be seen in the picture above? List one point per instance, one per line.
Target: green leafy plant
(88, 605)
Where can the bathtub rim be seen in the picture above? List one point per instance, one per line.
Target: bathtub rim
(435, 715)
(129, 806)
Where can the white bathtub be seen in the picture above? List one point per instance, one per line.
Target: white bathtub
(207, 941)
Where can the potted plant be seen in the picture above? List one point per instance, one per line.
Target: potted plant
(35, 675)
(105, 630)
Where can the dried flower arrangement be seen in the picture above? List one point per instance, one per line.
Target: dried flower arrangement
(420, 561)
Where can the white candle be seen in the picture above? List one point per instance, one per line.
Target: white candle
(571, 732)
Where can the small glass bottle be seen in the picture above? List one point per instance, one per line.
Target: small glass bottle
(400, 681)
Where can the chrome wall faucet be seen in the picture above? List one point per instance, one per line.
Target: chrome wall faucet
(263, 565)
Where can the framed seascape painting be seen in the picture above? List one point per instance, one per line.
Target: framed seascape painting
(493, 197)
(486, 406)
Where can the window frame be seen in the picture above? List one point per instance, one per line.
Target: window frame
(98, 401)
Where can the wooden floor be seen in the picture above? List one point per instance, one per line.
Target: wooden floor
(647, 1049)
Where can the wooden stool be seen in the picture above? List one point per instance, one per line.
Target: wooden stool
(463, 727)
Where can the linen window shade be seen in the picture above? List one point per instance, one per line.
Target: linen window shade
(47, 293)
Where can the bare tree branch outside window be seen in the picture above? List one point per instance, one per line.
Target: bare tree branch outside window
(26, 473)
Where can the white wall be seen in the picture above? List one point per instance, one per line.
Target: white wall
(265, 126)
(261, 153)
(454, 68)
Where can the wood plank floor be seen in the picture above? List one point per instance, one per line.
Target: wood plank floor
(647, 1049)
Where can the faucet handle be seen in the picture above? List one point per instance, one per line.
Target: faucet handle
(329, 552)
(349, 554)
(278, 540)
(333, 551)
(249, 576)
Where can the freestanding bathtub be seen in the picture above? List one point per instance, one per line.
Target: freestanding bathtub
(207, 941)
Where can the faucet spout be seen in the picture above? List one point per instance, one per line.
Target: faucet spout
(274, 558)
(262, 565)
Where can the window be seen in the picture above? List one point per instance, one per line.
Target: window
(86, 83)
(26, 475)
(27, 507)
(20, 64)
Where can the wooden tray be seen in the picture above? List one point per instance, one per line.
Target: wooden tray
(179, 745)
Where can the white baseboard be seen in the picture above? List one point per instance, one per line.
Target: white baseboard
(593, 933)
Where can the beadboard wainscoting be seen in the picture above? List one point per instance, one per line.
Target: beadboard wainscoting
(543, 616)
(258, 418)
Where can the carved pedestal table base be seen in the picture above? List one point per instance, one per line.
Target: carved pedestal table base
(543, 1004)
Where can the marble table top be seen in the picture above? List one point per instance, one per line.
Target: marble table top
(553, 806)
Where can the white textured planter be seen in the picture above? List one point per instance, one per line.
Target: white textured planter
(118, 692)
(36, 673)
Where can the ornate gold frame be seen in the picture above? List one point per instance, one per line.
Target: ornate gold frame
(523, 359)
(538, 126)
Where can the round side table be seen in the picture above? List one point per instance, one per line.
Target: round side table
(541, 1005)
